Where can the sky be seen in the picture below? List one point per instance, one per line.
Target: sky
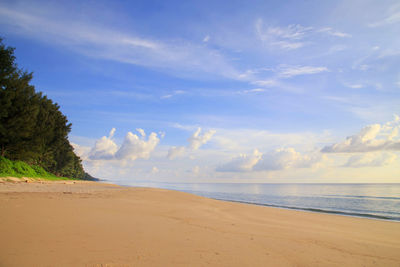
(220, 91)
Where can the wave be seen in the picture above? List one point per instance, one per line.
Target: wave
(339, 212)
(365, 197)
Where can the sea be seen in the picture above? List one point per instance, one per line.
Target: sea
(378, 201)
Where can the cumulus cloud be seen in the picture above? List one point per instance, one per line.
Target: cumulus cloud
(104, 148)
(278, 159)
(135, 147)
(371, 159)
(81, 151)
(242, 163)
(176, 151)
(132, 148)
(375, 137)
(286, 158)
(195, 142)
(141, 131)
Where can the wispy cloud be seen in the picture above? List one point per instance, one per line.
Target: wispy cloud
(174, 93)
(266, 83)
(292, 36)
(291, 71)
(354, 86)
(332, 32)
(252, 91)
(283, 37)
(276, 76)
(108, 43)
(392, 17)
(370, 159)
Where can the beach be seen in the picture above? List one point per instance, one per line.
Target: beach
(73, 223)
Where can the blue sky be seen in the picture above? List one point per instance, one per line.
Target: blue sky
(220, 91)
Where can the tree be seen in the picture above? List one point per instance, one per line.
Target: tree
(32, 128)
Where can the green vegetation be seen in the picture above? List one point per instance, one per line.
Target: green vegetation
(33, 131)
(20, 169)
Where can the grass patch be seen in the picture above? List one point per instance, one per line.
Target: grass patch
(19, 169)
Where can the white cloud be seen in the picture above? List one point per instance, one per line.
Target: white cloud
(81, 151)
(375, 137)
(293, 31)
(355, 86)
(195, 142)
(206, 38)
(292, 36)
(141, 131)
(242, 163)
(251, 91)
(52, 26)
(282, 37)
(135, 147)
(390, 19)
(132, 148)
(104, 148)
(332, 32)
(286, 158)
(291, 71)
(288, 45)
(196, 170)
(155, 170)
(240, 140)
(175, 152)
(370, 159)
(174, 93)
(278, 159)
(266, 83)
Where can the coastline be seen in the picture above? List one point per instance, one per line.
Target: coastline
(353, 200)
(323, 211)
(90, 223)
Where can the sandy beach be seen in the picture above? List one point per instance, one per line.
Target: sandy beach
(94, 224)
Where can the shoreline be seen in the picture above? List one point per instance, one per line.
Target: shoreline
(306, 209)
(92, 223)
(322, 211)
(365, 215)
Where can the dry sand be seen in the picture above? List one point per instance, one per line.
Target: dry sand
(94, 224)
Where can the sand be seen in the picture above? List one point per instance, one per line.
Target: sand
(94, 224)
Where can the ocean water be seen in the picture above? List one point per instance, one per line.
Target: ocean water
(379, 201)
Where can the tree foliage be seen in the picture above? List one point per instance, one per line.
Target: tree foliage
(32, 127)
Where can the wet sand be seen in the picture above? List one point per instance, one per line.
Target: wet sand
(94, 224)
